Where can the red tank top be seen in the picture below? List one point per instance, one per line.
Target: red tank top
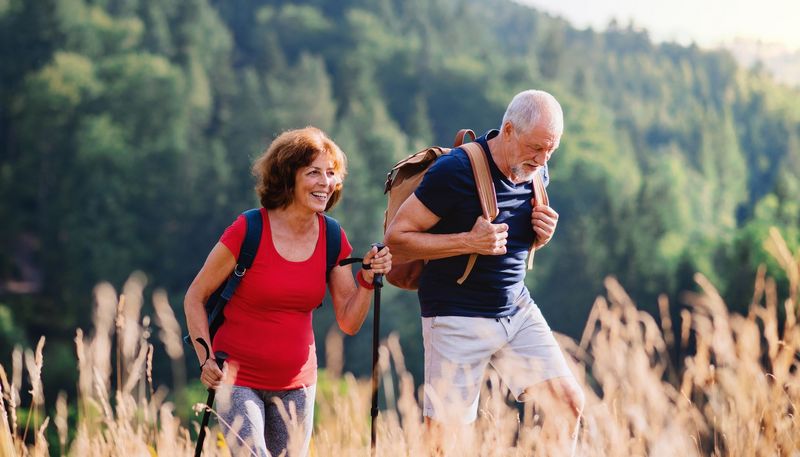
(267, 331)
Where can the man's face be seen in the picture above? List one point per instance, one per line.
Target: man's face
(531, 150)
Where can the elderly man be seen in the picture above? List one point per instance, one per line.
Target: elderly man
(490, 318)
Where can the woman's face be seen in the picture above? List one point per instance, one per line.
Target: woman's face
(315, 183)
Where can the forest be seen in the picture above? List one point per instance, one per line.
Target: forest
(128, 128)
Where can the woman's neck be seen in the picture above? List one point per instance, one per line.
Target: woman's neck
(299, 220)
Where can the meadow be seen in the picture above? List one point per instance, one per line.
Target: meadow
(735, 394)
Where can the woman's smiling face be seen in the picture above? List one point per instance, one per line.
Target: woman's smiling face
(314, 184)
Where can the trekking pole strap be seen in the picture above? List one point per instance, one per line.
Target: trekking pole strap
(364, 266)
(350, 260)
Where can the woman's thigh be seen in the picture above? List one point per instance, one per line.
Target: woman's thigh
(289, 419)
(242, 417)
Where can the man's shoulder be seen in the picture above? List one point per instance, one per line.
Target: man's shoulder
(456, 158)
(449, 178)
(454, 162)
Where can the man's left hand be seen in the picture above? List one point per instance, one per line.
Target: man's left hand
(544, 220)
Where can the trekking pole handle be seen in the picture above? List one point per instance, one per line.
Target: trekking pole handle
(377, 280)
(219, 357)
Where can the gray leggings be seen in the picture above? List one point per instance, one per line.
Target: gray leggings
(263, 428)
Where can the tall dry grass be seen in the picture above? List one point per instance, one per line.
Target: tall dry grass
(737, 395)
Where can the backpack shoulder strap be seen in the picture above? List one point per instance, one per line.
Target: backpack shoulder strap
(248, 251)
(539, 198)
(252, 237)
(486, 192)
(333, 244)
(539, 190)
(483, 179)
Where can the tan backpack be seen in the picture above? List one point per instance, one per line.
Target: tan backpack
(404, 178)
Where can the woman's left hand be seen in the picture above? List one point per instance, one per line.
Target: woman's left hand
(379, 261)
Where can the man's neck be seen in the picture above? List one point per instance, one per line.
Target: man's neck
(498, 152)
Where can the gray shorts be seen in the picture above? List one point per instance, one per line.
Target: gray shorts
(253, 425)
(521, 348)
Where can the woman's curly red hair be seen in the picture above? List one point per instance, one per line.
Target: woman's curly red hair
(275, 169)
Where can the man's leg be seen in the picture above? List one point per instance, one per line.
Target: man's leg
(562, 401)
(457, 350)
(534, 367)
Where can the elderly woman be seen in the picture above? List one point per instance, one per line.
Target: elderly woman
(267, 331)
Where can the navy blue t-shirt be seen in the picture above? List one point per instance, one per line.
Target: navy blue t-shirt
(496, 285)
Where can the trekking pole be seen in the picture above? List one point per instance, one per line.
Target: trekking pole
(219, 358)
(377, 281)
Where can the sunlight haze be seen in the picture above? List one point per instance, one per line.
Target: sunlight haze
(709, 23)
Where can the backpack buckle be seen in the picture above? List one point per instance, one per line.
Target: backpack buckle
(239, 270)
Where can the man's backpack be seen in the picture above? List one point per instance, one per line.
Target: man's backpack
(404, 178)
(217, 301)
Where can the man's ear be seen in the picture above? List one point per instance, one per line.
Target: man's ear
(507, 128)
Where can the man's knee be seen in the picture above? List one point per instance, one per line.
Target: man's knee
(562, 392)
(574, 395)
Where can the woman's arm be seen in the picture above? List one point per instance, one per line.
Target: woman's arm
(217, 268)
(350, 302)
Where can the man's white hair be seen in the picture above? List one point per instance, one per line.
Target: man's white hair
(529, 107)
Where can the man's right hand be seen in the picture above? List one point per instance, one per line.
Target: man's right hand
(486, 238)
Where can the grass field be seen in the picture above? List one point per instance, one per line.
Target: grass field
(736, 395)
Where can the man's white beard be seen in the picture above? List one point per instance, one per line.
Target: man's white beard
(520, 175)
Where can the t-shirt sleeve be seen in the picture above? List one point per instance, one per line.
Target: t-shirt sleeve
(346, 249)
(447, 181)
(233, 236)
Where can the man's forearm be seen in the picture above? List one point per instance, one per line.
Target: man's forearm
(428, 246)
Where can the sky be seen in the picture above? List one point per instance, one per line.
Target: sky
(709, 23)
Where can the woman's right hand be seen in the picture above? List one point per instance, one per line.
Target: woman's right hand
(211, 376)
